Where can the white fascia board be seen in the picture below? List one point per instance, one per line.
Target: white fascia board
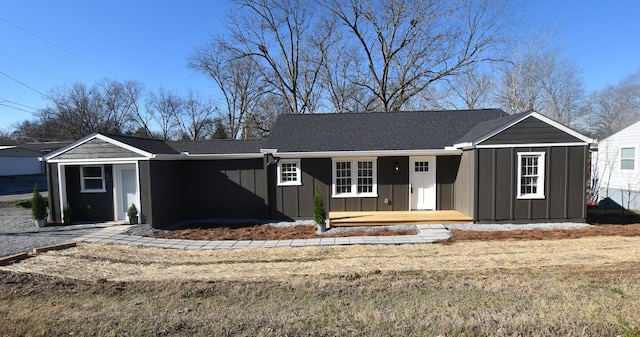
(268, 151)
(370, 154)
(96, 161)
(185, 156)
(498, 146)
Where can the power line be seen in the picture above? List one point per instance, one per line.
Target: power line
(25, 85)
(31, 65)
(16, 108)
(57, 46)
(16, 103)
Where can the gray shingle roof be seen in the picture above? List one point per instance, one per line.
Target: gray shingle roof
(375, 131)
(155, 146)
(217, 146)
(484, 128)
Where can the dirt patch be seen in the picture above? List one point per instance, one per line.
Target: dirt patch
(545, 234)
(243, 231)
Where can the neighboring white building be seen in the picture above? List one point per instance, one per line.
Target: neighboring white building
(616, 168)
(24, 159)
(15, 160)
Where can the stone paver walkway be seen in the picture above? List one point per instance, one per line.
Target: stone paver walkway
(115, 235)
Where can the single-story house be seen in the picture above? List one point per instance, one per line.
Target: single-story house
(486, 164)
(616, 173)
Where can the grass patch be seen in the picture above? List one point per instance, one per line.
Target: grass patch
(490, 302)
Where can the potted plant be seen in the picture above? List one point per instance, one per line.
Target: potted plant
(319, 214)
(67, 214)
(132, 213)
(39, 208)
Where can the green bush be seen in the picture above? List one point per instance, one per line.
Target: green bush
(38, 204)
(132, 211)
(319, 214)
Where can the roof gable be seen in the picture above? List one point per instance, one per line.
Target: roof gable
(526, 128)
(416, 130)
(98, 146)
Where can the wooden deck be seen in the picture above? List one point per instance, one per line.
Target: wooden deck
(339, 219)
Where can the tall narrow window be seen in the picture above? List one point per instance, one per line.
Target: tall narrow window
(289, 172)
(354, 178)
(343, 177)
(531, 175)
(92, 179)
(628, 158)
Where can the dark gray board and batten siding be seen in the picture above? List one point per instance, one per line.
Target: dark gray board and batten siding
(202, 189)
(497, 168)
(531, 131)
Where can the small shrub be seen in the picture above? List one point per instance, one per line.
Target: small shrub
(38, 204)
(319, 214)
(132, 211)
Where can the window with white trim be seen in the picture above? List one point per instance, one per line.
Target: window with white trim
(289, 172)
(531, 175)
(92, 179)
(628, 158)
(355, 178)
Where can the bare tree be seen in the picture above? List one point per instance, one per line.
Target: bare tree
(288, 41)
(472, 89)
(406, 45)
(615, 107)
(164, 108)
(197, 117)
(242, 87)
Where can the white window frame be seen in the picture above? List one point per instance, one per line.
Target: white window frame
(84, 189)
(632, 159)
(298, 172)
(540, 184)
(354, 178)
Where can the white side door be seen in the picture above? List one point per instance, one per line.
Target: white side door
(126, 192)
(422, 183)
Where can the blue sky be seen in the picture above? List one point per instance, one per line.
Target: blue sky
(49, 43)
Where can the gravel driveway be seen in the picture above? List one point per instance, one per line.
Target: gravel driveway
(18, 232)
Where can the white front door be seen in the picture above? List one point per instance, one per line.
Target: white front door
(126, 192)
(422, 180)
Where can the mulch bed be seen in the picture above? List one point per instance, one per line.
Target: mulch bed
(215, 232)
(548, 234)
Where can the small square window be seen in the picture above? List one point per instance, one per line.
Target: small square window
(421, 166)
(92, 179)
(628, 158)
(289, 173)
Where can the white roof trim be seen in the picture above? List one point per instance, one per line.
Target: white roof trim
(497, 146)
(188, 156)
(372, 154)
(107, 139)
(97, 161)
(538, 116)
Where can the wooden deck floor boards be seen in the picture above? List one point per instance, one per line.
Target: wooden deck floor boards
(398, 217)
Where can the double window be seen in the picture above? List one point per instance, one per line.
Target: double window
(531, 175)
(92, 179)
(289, 172)
(354, 178)
(628, 158)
